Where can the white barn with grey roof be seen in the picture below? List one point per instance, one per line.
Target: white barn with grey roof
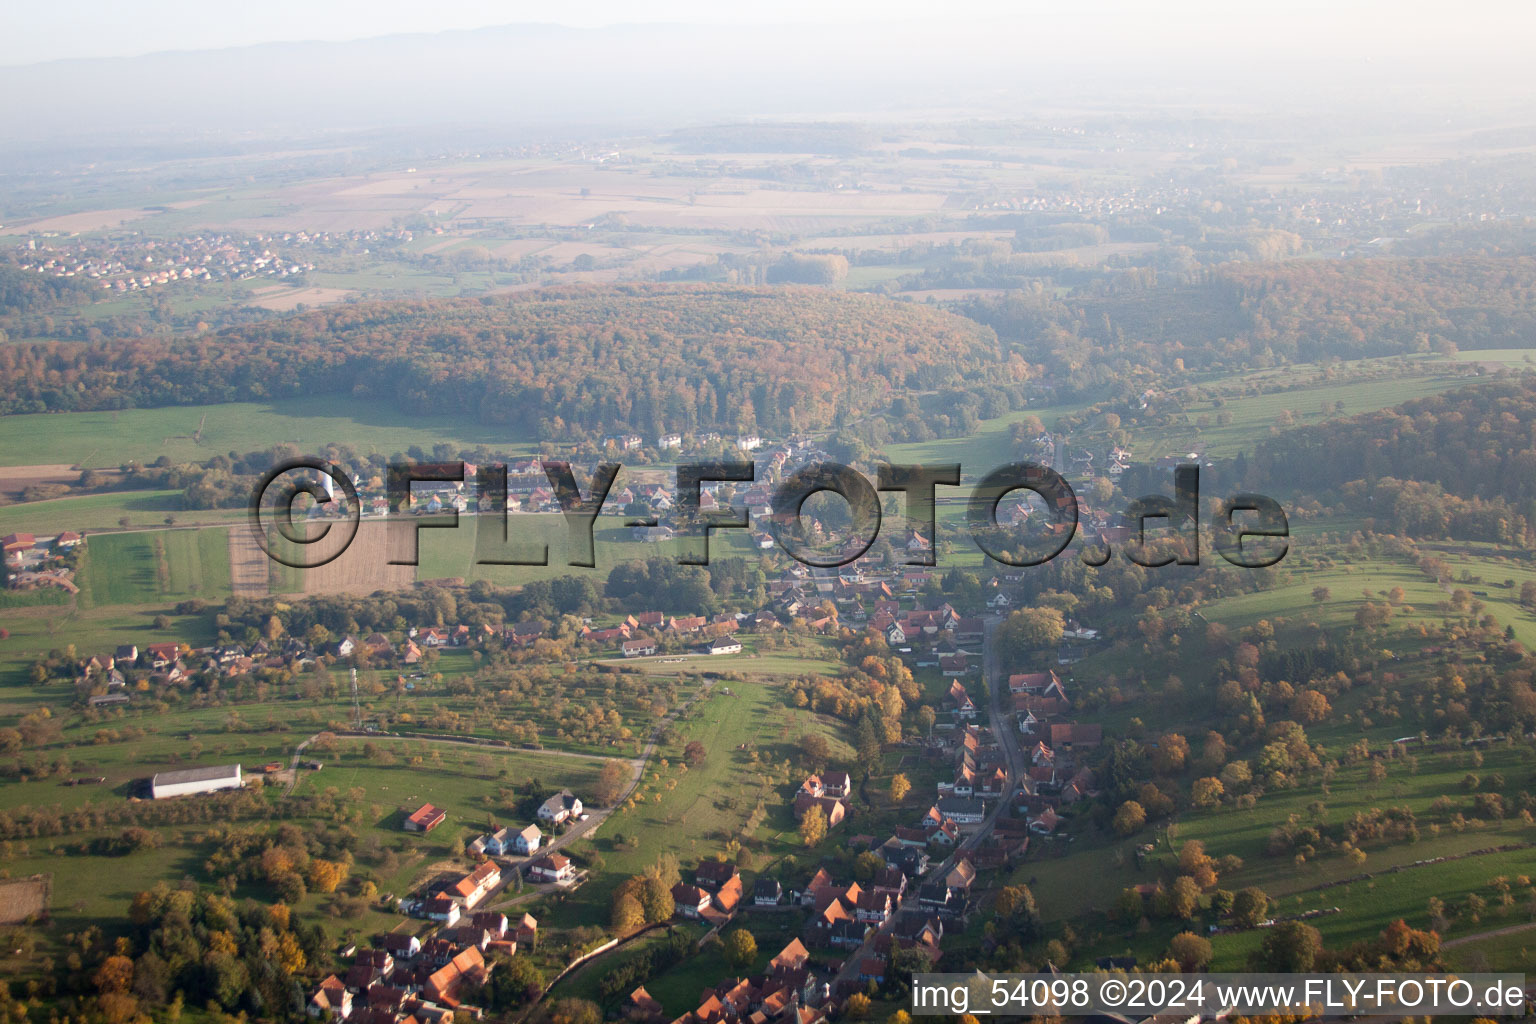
(184, 781)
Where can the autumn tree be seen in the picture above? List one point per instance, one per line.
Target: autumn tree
(1310, 706)
(900, 787)
(1027, 630)
(1206, 792)
(817, 751)
(326, 875)
(1015, 901)
(611, 782)
(1129, 818)
(1250, 907)
(1171, 754)
(1182, 898)
(1197, 864)
(740, 949)
(1191, 951)
(813, 827)
(1290, 947)
(627, 914)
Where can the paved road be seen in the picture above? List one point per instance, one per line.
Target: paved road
(1000, 719)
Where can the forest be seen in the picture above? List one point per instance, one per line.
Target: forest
(1122, 333)
(1458, 464)
(560, 363)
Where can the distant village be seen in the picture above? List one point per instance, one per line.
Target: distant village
(127, 261)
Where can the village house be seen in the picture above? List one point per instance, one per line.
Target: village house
(962, 810)
(690, 900)
(441, 908)
(465, 972)
(560, 808)
(552, 868)
(399, 945)
(1030, 682)
(638, 648)
(767, 892)
(527, 931)
(330, 1000)
(960, 700)
(711, 875)
(722, 645)
(526, 842)
(476, 885)
(813, 793)
(1076, 736)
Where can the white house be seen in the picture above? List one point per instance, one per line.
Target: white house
(441, 908)
(552, 867)
(331, 1001)
(724, 645)
(561, 807)
(527, 841)
(505, 841)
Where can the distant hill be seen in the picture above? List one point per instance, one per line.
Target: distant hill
(558, 363)
(1458, 464)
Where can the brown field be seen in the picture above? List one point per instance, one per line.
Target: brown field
(862, 243)
(15, 479)
(949, 294)
(283, 298)
(363, 568)
(89, 220)
(22, 898)
(525, 193)
(247, 564)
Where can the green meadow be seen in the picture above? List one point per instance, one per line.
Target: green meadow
(109, 439)
(160, 565)
(748, 734)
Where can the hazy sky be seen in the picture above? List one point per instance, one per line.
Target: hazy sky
(36, 32)
(186, 67)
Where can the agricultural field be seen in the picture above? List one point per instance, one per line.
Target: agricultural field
(1390, 883)
(1261, 404)
(162, 565)
(142, 509)
(198, 432)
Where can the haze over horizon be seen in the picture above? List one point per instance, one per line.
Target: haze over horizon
(678, 64)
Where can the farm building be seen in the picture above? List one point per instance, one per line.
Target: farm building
(425, 819)
(194, 780)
